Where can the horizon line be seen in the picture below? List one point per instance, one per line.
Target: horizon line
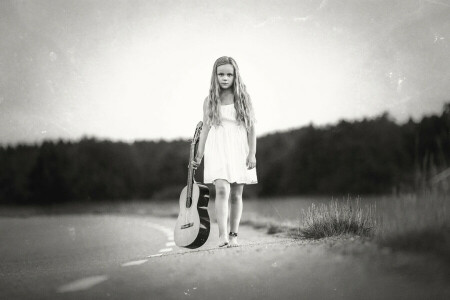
(169, 140)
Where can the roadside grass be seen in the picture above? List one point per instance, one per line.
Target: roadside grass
(337, 218)
(320, 220)
(416, 223)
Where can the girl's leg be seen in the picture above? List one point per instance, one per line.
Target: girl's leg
(236, 210)
(221, 205)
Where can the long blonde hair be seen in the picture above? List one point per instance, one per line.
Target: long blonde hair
(242, 102)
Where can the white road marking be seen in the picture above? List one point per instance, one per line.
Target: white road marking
(168, 232)
(82, 284)
(134, 263)
(155, 255)
(165, 250)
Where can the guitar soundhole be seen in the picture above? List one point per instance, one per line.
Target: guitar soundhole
(187, 225)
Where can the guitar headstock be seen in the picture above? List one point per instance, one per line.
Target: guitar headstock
(198, 130)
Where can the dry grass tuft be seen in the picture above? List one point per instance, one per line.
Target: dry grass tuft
(337, 218)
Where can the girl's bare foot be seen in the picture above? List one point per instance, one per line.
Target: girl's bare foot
(223, 241)
(233, 240)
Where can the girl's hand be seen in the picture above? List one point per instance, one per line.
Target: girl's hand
(251, 161)
(196, 162)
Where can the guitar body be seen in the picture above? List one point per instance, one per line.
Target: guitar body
(192, 228)
(193, 225)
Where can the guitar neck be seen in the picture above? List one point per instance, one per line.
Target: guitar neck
(191, 172)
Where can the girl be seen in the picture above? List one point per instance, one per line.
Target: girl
(228, 142)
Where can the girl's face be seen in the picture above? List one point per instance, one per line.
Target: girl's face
(225, 76)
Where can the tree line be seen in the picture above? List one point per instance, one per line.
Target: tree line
(369, 156)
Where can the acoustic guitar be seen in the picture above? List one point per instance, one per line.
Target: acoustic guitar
(193, 225)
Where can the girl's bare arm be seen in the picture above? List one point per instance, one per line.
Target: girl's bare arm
(204, 133)
(251, 158)
(251, 136)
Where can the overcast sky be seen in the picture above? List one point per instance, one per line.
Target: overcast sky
(127, 70)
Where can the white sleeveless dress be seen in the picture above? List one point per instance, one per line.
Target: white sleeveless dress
(226, 151)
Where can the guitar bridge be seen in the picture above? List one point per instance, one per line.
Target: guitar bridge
(187, 225)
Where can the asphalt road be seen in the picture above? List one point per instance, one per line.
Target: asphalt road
(46, 257)
(133, 257)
